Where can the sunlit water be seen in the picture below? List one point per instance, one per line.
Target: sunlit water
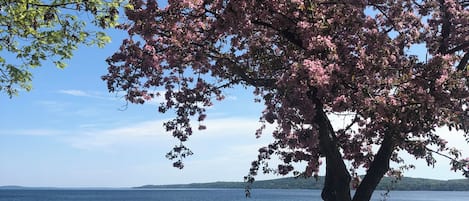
(212, 195)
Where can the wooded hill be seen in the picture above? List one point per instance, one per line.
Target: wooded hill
(406, 183)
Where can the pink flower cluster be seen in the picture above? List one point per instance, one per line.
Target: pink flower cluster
(304, 59)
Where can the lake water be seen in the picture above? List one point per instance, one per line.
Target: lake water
(212, 195)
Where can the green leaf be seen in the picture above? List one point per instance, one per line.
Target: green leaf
(49, 32)
(129, 7)
(60, 64)
(103, 39)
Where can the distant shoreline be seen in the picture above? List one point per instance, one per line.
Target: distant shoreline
(405, 184)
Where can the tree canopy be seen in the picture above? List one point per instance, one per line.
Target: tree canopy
(306, 60)
(34, 31)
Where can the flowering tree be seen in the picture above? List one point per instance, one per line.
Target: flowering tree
(33, 31)
(308, 59)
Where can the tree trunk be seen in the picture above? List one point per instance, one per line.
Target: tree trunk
(337, 181)
(378, 168)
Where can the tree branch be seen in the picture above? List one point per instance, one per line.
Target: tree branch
(463, 63)
(241, 72)
(460, 47)
(286, 33)
(445, 27)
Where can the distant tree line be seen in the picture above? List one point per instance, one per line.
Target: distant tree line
(387, 183)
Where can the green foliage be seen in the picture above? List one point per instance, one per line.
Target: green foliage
(33, 31)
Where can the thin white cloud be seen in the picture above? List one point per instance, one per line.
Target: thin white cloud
(75, 92)
(231, 98)
(107, 138)
(154, 132)
(53, 106)
(88, 94)
(65, 109)
(32, 132)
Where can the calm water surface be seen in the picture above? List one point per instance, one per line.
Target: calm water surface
(211, 195)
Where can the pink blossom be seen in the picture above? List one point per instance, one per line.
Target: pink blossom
(304, 62)
(316, 72)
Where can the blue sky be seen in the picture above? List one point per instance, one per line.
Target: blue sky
(70, 132)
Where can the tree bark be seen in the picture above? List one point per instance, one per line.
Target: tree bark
(337, 180)
(375, 173)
